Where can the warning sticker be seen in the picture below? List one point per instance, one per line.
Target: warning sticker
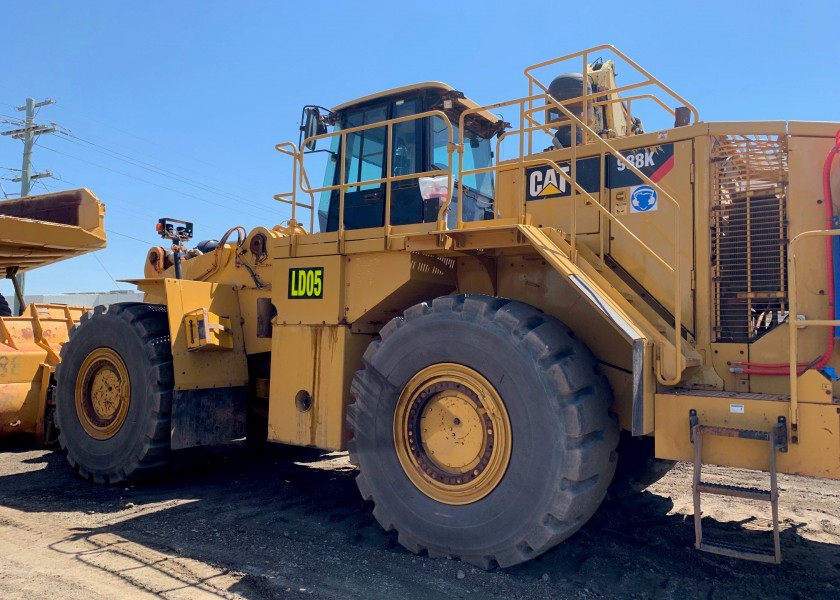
(643, 199)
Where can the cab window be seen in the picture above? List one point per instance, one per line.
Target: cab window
(477, 155)
(405, 147)
(364, 158)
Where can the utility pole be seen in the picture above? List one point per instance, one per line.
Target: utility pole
(28, 134)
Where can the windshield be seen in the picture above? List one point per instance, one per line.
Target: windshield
(477, 155)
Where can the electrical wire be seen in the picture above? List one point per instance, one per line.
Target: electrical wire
(144, 140)
(106, 271)
(226, 207)
(123, 206)
(156, 169)
(144, 242)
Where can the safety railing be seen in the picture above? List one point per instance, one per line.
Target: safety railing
(615, 95)
(526, 110)
(301, 178)
(529, 108)
(796, 368)
(290, 149)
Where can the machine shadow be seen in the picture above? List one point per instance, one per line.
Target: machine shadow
(284, 520)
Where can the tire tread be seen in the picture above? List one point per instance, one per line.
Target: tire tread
(581, 395)
(152, 328)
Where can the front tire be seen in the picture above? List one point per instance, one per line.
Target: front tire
(481, 430)
(114, 393)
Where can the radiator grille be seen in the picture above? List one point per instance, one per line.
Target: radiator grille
(749, 235)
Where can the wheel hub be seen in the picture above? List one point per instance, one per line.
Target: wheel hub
(103, 393)
(452, 434)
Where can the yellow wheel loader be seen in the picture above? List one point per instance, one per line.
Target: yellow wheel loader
(36, 231)
(498, 320)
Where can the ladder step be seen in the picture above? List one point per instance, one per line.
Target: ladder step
(774, 437)
(748, 434)
(733, 490)
(739, 551)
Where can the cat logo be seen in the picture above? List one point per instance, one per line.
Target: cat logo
(545, 182)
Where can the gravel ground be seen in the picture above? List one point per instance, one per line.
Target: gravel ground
(285, 523)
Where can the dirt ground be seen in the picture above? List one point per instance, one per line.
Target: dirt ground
(274, 524)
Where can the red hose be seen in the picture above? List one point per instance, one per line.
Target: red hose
(829, 254)
(746, 363)
(769, 368)
(760, 372)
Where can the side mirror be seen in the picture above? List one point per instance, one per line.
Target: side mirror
(313, 124)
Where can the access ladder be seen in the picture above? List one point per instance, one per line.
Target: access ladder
(776, 440)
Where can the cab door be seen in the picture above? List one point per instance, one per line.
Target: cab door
(364, 160)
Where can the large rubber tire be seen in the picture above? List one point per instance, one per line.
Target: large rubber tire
(138, 334)
(5, 309)
(563, 436)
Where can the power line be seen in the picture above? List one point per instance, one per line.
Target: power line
(158, 170)
(153, 167)
(232, 209)
(106, 271)
(123, 206)
(144, 242)
(144, 140)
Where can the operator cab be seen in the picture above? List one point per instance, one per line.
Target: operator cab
(417, 146)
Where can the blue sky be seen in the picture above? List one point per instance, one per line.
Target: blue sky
(176, 106)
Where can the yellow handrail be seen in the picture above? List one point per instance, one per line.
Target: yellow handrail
(526, 106)
(388, 180)
(529, 107)
(584, 55)
(794, 324)
(290, 149)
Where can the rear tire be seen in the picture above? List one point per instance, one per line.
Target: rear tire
(530, 381)
(5, 309)
(114, 393)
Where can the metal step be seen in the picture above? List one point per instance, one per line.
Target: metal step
(747, 434)
(767, 555)
(736, 491)
(776, 440)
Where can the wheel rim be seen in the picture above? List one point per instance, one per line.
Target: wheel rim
(103, 393)
(452, 434)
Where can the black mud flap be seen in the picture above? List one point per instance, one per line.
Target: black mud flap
(208, 416)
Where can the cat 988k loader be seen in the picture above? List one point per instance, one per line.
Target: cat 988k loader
(498, 320)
